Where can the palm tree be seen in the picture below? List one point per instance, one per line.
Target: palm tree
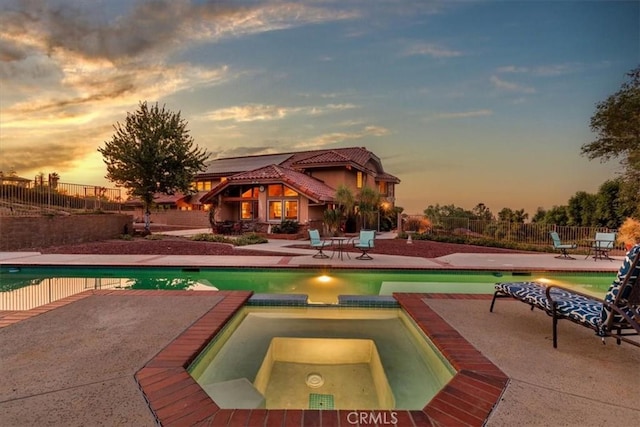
(53, 179)
(346, 201)
(368, 205)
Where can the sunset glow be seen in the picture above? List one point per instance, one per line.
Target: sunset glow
(464, 101)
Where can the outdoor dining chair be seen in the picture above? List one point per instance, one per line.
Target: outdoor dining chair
(365, 243)
(562, 247)
(317, 243)
(601, 245)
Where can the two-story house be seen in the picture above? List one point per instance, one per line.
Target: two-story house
(296, 186)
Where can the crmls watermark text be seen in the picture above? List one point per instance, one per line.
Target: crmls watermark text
(372, 418)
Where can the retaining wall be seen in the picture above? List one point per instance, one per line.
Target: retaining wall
(19, 233)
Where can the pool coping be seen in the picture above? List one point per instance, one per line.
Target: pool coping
(175, 398)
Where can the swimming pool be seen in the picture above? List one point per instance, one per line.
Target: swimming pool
(23, 288)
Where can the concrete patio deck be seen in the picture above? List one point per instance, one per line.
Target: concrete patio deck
(74, 363)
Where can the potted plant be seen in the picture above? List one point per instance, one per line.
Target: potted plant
(629, 233)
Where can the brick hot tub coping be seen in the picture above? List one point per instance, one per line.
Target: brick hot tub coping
(175, 398)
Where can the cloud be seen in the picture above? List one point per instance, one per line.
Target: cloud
(54, 149)
(464, 114)
(338, 137)
(544, 70)
(147, 26)
(242, 151)
(428, 49)
(509, 86)
(261, 112)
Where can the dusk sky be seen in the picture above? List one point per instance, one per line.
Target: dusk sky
(464, 101)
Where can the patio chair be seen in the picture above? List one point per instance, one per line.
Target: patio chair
(317, 243)
(562, 247)
(365, 243)
(601, 246)
(617, 315)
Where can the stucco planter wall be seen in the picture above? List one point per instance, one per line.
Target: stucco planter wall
(19, 233)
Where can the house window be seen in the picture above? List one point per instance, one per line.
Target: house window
(283, 203)
(201, 185)
(250, 193)
(248, 210)
(275, 190)
(382, 188)
(291, 209)
(359, 179)
(288, 192)
(275, 210)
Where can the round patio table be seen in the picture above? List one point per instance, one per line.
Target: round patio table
(339, 244)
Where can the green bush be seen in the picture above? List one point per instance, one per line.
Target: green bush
(207, 237)
(244, 240)
(126, 237)
(477, 241)
(288, 226)
(249, 239)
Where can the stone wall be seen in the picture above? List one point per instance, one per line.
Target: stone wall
(20, 233)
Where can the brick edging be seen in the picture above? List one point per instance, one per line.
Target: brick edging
(175, 398)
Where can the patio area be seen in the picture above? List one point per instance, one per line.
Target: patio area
(73, 362)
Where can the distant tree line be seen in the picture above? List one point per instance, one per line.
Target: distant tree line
(609, 207)
(436, 213)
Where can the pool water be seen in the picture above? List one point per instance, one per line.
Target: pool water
(23, 288)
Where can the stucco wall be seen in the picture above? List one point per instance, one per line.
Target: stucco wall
(199, 219)
(18, 233)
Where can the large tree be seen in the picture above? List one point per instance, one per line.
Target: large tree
(581, 209)
(152, 152)
(617, 125)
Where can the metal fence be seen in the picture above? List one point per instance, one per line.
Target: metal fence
(25, 294)
(41, 197)
(525, 233)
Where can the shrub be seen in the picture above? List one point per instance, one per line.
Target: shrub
(287, 226)
(249, 239)
(476, 241)
(629, 232)
(416, 224)
(154, 237)
(206, 237)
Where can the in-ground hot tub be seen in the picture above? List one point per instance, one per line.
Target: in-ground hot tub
(321, 358)
(338, 369)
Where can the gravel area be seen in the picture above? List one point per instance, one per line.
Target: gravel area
(170, 245)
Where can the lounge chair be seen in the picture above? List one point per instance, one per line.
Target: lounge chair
(562, 247)
(365, 243)
(317, 243)
(601, 246)
(617, 315)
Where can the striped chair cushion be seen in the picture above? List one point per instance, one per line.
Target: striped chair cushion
(533, 293)
(615, 288)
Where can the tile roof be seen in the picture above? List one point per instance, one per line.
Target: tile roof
(387, 177)
(308, 186)
(358, 155)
